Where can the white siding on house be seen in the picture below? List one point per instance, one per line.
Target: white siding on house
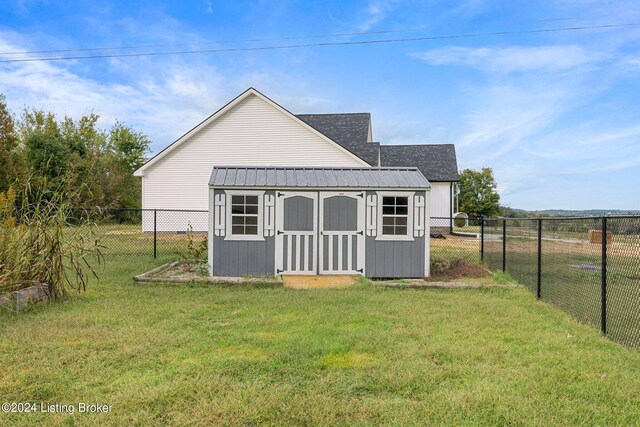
(252, 133)
(440, 201)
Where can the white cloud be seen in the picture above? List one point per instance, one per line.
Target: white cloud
(374, 13)
(162, 104)
(533, 118)
(164, 96)
(505, 60)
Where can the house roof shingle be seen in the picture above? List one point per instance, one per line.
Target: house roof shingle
(313, 177)
(350, 130)
(437, 162)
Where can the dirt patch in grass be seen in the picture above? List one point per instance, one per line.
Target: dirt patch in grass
(184, 270)
(447, 270)
(197, 272)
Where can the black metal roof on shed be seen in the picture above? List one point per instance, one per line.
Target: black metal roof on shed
(309, 177)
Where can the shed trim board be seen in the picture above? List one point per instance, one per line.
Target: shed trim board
(320, 230)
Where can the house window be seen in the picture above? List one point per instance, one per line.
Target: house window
(244, 215)
(395, 215)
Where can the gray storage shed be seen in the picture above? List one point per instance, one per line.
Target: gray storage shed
(299, 220)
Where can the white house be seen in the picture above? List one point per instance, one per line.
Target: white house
(253, 130)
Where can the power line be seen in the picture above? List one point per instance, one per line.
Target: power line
(313, 36)
(297, 46)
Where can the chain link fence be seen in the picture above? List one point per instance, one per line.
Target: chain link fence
(147, 232)
(155, 232)
(565, 261)
(456, 238)
(588, 267)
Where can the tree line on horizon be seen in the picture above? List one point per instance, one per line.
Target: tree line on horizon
(72, 156)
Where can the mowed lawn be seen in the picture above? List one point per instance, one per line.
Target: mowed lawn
(201, 354)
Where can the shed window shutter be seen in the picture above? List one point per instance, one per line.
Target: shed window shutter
(372, 215)
(219, 213)
(418, 216)
(269, 215)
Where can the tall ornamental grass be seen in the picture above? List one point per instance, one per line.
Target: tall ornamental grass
(44, 241)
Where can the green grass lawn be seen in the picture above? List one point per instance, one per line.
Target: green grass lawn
(200, 354)
(566, 282)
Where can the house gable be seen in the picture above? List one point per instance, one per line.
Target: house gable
(252, 130)
(256, 116)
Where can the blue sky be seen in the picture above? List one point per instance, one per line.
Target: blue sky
(556, 115)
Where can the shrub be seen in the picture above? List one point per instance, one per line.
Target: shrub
(41, 241)
(460, 221)
(196, 254)
(438, 264)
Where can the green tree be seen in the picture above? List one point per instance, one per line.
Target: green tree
(8, 147)
(126, 151)
(128, 146)
(73, 155)
(47, 156)
(478, 193)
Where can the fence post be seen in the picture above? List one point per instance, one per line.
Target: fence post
(504, 244)
(603, 317)
(155, 233)
(482, 238)
(539, 286)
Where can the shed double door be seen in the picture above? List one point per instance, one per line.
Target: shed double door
(319, 233)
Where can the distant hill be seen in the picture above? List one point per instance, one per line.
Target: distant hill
(568, 212)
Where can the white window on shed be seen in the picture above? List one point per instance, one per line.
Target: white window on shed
(395, 215)
(244, 215)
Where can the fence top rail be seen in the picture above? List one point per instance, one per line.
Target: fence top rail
(456, 217)
(141, 210)
(471, 218)
(636, 216)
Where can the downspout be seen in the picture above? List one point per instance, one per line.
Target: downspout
(451, 207)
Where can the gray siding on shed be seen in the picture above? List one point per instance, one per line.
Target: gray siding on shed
(385, 258)
(239, 257)
(388, 258)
